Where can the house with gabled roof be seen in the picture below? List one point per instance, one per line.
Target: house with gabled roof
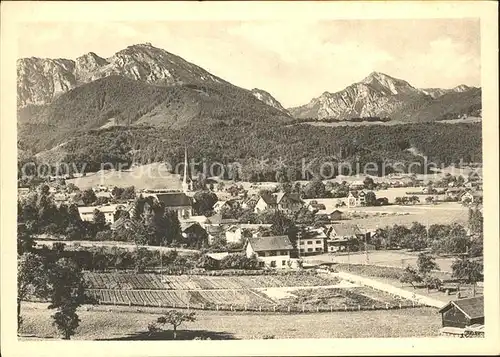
(176, 201)
(341, 235)
(273, 252)
(287, 202)
(356, 198)
(266, 202)
(463, 312)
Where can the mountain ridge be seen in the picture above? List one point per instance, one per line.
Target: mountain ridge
(378, 95)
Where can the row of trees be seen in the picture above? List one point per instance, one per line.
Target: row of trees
(463, 269)
(348, 145)
(440, 238)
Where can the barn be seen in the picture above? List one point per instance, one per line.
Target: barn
(463, 312)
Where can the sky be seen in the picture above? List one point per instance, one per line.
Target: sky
(294, 61)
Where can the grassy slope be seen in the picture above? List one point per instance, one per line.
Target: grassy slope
(129, 324)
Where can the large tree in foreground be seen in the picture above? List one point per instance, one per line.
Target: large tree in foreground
(67, 293)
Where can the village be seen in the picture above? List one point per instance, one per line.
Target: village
(341, 235)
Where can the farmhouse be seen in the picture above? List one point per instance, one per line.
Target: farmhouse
(341, 235)
(266, 201)
(463, 312)
(314, 206)
(272, 252)
(356, 198)
(279, 201)
(193, 231)
(87, 212)
(313, 242)
(176, 201)
(356, 185)
(288, 202)
(335, 215)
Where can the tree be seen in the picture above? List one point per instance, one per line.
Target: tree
(370, 199)
(410, 276)
(314, 189)
(31, 279)
(25, 241)
(283, 225)
(204, 202)
(101, 200)
(99, 220)
(88, 197)
(175, 319)
(67, 293)
(432, 282)
(66, 320)
(173, 227)
(426, 264)
(368, 183)
(467, 270)
(475, 221)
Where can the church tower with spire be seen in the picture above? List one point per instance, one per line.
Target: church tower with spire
(185, 185)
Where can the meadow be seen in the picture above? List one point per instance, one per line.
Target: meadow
(125, 323)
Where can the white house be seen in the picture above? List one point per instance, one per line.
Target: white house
(356, 198)
(273, 252)
(266, 201)
(280, 201)
(314, 242)
(233, 234)
(87, 212)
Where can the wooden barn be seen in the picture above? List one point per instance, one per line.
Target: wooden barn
(463, 312)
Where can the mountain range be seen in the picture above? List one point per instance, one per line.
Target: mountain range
(143, 85)
(380, 95)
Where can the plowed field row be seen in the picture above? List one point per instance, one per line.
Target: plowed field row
(127, 281)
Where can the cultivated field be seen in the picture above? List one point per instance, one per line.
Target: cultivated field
(209, 299)
(125, 281)
(285, 293)
(125, 323)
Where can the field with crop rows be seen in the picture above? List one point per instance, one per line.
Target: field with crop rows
(127, 281)
(180, 298)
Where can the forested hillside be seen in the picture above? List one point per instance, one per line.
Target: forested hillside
(284, 146)
(118, 100)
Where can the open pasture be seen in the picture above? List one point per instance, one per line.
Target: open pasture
(126, 323)
(132, 281)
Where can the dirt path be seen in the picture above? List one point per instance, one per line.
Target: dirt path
(419, 299)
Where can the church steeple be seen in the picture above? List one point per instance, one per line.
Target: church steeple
(185, 185)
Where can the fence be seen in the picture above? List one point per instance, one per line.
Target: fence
(290, 309)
